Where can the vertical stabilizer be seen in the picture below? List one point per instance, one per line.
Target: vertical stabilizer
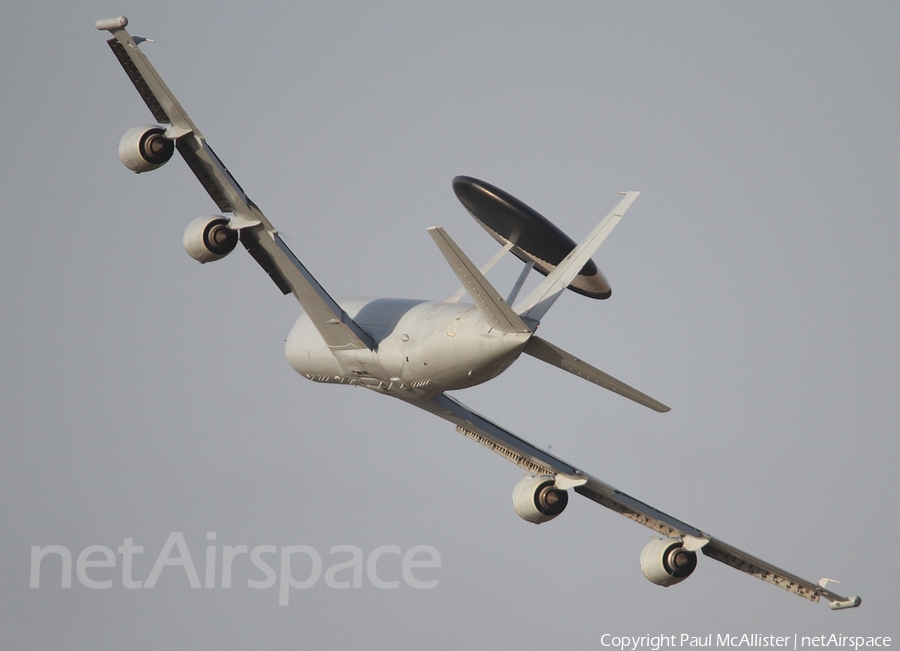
(541, 299)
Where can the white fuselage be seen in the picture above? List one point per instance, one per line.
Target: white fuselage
(423, 348)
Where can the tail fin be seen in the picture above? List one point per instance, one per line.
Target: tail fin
(541, 299)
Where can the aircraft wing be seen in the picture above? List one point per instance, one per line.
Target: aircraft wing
(257, 234)
(540, 462)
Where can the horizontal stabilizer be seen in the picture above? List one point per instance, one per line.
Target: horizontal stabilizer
(484, 269)
(496, 312)
(556, 356)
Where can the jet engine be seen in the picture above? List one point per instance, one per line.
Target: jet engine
(208, 238)
(145, 148)
(665, 562)
(538, 499)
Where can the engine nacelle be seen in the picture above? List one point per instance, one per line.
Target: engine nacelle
(665, 562)
(208, 238)
(538, 499)
(145, 148)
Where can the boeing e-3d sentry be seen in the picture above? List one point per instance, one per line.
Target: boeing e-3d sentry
(417, 350)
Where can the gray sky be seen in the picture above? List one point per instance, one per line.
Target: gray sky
(754, 290)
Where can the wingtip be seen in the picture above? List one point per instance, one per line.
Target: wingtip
(110, 24)
(852, 602)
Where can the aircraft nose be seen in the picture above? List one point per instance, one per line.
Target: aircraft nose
(307, 353)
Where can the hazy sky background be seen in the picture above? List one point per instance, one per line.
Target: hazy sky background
(754, 290)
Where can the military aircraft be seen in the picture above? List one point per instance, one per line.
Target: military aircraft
(417, 350)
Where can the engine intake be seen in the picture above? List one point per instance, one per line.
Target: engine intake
(665, 562)
(145, 148)
(208, 238)
(538, 499)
